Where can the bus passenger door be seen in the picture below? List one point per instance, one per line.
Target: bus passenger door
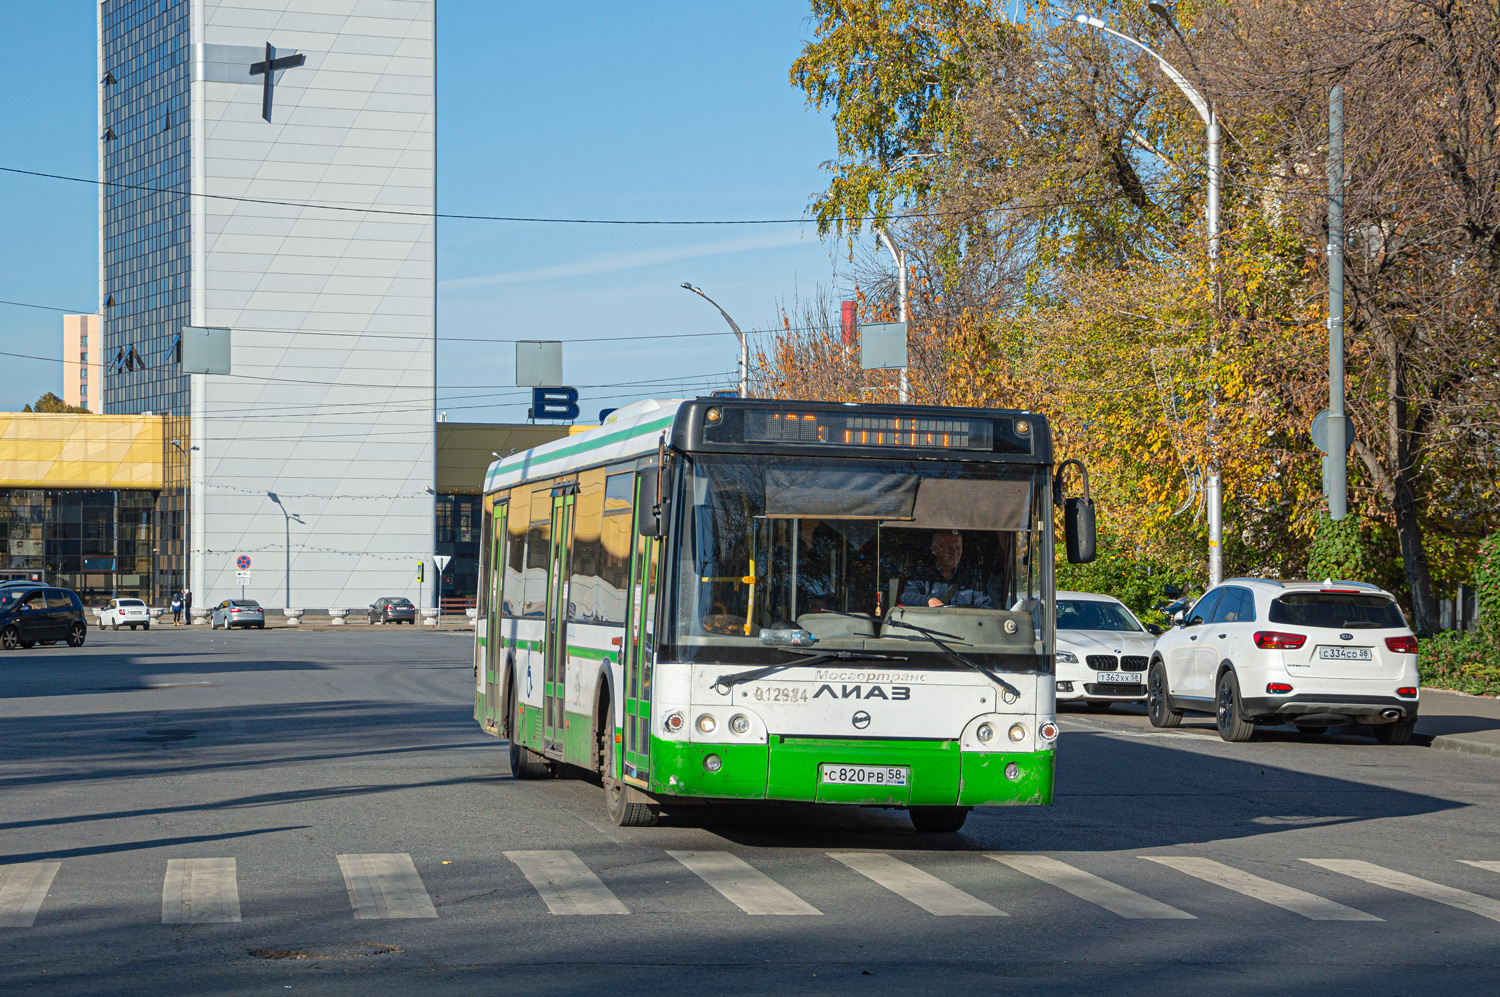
(554, 685)
(638, 653)
(493, 646)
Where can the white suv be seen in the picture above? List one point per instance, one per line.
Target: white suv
(1313, 654)
(1102, 651)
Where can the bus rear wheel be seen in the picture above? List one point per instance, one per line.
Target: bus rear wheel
(938, 820)
(622, 812)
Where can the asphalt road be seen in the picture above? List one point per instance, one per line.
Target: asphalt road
(247, 813)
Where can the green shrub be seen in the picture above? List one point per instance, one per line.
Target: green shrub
(1341, 550)
(1487, 582)
(1462, 661)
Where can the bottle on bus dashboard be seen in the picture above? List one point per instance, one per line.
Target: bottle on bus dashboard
(751, 599)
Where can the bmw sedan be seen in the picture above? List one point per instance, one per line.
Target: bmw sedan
(1102, 651)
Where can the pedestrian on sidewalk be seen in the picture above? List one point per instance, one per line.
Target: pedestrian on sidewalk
(187, 604)
(176, 609)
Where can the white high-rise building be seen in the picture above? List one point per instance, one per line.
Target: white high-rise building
(269, 169)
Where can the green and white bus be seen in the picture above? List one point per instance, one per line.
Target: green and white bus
(743, 599)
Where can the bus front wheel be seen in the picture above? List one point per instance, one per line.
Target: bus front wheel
(622, 812)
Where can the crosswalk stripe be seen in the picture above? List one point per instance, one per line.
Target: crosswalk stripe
(921, 888)
(743, 885)
(1489, 865)
(23, 887)
(1086, 886)
(1309, 905)
(1415, 885)
(383, 885)
(200, 891)
(566, 885)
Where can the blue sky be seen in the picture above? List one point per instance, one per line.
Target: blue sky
(657, 110)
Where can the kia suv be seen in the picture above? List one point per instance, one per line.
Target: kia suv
(1253, 651)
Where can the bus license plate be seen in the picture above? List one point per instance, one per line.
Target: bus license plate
(1345, 653)
(1129, 678)
(864, 775)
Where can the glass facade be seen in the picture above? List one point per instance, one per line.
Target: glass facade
(98, 543)
(458, 536)
(146, 51)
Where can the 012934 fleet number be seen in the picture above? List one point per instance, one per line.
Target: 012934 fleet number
(780, 694)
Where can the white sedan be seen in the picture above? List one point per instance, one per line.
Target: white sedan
(1103, 651)
(130, 613)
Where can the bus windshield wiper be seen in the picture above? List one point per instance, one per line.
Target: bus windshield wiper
(933, 635)
(809, 657)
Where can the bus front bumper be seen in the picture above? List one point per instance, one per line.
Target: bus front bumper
(789, 768)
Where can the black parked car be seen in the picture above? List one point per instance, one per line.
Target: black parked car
(35, 614)
(397, 609)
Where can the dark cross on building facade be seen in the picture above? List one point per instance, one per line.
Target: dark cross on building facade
(269, 68)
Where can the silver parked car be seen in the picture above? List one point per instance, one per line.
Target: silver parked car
(238, 613)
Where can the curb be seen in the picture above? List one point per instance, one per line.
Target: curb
(1466, 745)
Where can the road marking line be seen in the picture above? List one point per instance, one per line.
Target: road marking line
(743, 885)
(385, 884)
(1415, 885)
(23, 887)
(1086, 886)
(200, 891)
(923, 889)
(1309, 905)
(566, 885)
(1489, 865)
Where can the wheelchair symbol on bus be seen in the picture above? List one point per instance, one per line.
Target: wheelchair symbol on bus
(528, 679)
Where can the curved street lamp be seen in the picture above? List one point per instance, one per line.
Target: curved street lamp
(1212, 490)
(744, 349)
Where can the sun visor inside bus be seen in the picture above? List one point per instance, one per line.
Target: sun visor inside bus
(969, 504)
(825, 493)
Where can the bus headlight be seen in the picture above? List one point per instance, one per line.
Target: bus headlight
(673, 722)
(1017, 732)
(713, 763)
(707, 724)
(985, 732)
(739, 723)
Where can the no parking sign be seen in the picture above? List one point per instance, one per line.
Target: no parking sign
(242, 562)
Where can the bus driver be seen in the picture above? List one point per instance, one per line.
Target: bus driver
(941, 583)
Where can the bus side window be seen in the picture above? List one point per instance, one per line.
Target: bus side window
(515, 559)
(588, 513)
(538, 553)
(614, 556)
(486, 540)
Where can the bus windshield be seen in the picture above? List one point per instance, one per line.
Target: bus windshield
(783, 543)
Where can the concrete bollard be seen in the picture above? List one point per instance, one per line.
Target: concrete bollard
(473, 614)
(293, 617)
(200, 615)
(429, 617)
(336, 617)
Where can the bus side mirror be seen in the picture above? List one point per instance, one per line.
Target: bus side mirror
(1078, 529)
(649, 515)
(1078, 515)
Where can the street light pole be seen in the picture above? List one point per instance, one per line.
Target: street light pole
(744, 348)
(903, 386)
(1213, 488)
(289, 517)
